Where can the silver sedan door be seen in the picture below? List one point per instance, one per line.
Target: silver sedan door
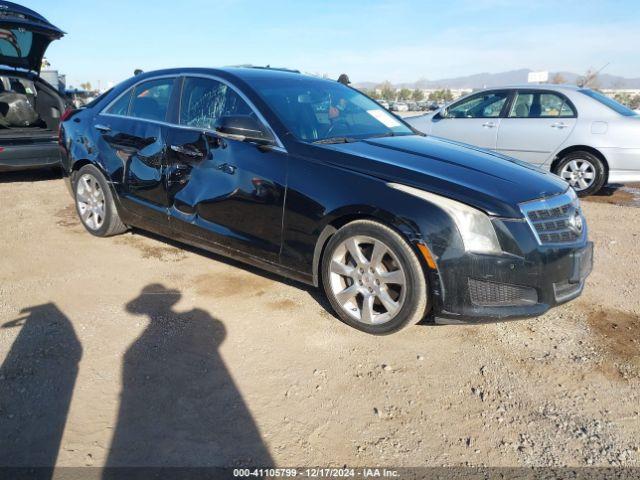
(474, 120)
(538, 122)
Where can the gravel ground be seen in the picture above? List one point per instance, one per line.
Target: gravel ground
(132, 351)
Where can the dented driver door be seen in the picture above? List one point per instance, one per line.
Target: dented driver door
(226, 192)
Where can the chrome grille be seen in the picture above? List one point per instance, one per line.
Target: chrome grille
(556, 220)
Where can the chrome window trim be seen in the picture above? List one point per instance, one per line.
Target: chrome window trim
(279, 145)
(547, 203)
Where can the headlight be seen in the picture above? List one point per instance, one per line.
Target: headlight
(475, 227)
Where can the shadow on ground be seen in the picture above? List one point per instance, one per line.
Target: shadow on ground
(179, 405)
(615, 194)
(315, 293)
(37, 379)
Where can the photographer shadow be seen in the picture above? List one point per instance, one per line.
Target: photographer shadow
(37, 379)
(179, 406)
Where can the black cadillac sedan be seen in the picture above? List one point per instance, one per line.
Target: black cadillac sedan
(311, 179)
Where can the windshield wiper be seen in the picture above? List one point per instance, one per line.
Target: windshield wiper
(382, 135)
(392, 134)
(336, 140)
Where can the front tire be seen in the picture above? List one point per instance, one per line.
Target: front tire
(373, 279)
(583, 171)
(95, 205)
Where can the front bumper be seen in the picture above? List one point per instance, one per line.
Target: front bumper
(482, 288)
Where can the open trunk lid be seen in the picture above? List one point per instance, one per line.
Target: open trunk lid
(24, 36)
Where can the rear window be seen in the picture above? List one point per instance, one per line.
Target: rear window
(540, 105)
(609, 102)
(15, 43)
(151, 99)
(121, 106)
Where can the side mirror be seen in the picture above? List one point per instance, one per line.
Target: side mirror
(243, 128)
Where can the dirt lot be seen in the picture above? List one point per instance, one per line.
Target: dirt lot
(131, 351)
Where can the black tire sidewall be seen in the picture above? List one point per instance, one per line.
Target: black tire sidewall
(598, 165)
(416, 280)
(108, 200)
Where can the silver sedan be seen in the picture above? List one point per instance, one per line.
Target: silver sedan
(579, 134)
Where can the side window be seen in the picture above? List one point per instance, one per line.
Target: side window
(151, 99)
(522, 106)
(555, 106)
(540, 105)
(205, 100)
(121, 106)
(567, 110)
(484, 105)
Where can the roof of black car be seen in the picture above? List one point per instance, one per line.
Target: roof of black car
(253, 73)
(246, 73)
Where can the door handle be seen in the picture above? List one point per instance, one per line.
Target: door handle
(489, 125)
(102, 128)
(227, 168)
(189, 152)
(559, 125)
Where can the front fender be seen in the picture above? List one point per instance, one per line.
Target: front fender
(335, 196)
(344, 215)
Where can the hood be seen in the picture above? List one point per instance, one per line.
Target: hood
(492, 182)
(24, 36)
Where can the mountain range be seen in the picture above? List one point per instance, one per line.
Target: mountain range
(513, 77)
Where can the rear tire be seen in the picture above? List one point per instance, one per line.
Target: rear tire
(583, 171)
(373, 279)
(95, 205)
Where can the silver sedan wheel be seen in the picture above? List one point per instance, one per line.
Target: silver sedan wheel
(579, 173)
(90, 201)
(367, 280)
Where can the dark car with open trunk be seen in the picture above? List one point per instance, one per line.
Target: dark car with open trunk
(30, 108)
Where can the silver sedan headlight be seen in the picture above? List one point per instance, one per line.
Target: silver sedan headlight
(475, 226)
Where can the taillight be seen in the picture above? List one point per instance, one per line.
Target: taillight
(67, 113)
(65, 116)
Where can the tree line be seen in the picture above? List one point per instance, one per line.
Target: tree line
(386, 91)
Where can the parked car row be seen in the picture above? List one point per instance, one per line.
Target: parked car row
(400, 106)
(78, 97)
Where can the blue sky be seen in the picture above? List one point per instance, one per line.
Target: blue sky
(375, 40)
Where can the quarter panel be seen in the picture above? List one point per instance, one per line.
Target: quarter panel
(132, 152)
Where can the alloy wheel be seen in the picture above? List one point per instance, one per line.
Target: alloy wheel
(91, 202)
(579, 173)
(367, 280)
